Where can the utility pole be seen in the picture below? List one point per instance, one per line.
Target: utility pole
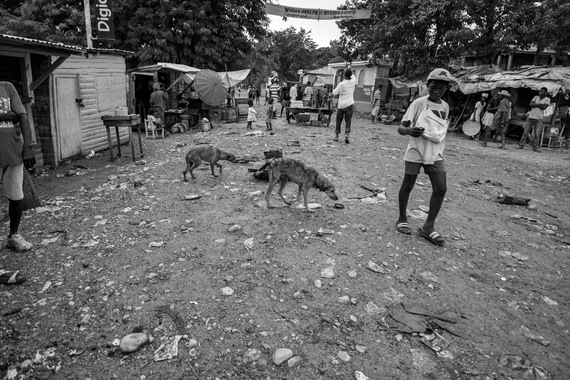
(88, 30)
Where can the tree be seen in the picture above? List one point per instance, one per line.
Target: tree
(293, 50)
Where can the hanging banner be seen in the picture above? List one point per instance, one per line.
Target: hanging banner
(317, 14)
(104, 16)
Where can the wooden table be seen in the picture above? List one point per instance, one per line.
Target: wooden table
(293, 112)
(129, 122)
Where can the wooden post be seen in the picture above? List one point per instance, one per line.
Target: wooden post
(31, 199)
(88, 29)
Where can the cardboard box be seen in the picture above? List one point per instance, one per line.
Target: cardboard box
(303, 117)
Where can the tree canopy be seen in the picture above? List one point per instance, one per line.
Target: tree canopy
(421, 34)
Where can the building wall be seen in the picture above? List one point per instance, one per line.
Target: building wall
(45, 154)
(103, 88)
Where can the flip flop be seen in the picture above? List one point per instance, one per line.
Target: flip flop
(404, 228)
(434, 237)
(11, 278)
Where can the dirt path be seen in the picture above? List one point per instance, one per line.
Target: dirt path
(119, 240)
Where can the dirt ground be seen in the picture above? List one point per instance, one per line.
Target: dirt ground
(119, 249)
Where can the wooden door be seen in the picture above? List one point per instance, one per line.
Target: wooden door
(67, 118)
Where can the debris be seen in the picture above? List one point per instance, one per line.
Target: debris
(281, 354)
(251, 355)
(255, 193)
(338, 205)
(360, 376)
(534, 337)
(156, 244)
(248, 243)
(235, 227)
(549, 301)
(342, 355)
(294, 361)
(227, 291)
(317, 283)
(428, 276)
(375, 267)
(507, 199)
(372, 308)
(322, 231)
(192, 197)
(311, 206)
(167, 350)
(132, 342)
(327, 273)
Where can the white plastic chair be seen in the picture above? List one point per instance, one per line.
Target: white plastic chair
(153, 127)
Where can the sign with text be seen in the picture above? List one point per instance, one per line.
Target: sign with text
(104, 16)
(317, 14)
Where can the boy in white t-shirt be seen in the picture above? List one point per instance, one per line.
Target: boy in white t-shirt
(251, 114)
(426, 122)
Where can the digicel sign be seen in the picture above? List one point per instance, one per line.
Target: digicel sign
(104, 16)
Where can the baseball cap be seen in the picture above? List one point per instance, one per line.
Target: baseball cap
(442, 75)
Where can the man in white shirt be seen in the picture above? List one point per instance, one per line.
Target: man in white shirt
(345, 92)
(534, 121)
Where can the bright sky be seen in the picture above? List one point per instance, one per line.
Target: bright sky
(322, 32)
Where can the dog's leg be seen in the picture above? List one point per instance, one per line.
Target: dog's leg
(306, 196)
(217, 163)
(298, 194)
(272, 182)
(194, 166)
(188, 165)
(212, 167)
(284, 181)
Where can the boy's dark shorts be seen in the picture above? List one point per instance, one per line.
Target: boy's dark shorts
(413, 168)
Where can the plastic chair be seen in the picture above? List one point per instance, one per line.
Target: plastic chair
(554, 135)
(153, 127)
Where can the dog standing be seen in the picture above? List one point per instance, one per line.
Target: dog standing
(209, 154)
(286, 169)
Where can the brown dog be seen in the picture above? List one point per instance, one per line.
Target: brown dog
(286, 169)
(209, 154)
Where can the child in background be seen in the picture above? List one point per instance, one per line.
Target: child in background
(251, 114)
(269, 113)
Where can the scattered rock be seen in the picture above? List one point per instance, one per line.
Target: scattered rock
(534, 337)
(281, 354)
(317, 283)
(227, 291)
(351, 273)
(344, 299)
(372, 308)
(360, 376)
(251, 355)
(235, 227)
(294, 361)
(327, 273)
(342, 355)
(133, 342)
(375, 267)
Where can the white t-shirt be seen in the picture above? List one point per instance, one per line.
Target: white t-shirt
(345, 92)
(421, 149)
(535, 112)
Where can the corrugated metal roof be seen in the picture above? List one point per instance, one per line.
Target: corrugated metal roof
(32, 42)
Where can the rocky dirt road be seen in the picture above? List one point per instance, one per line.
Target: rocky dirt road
(337, 294)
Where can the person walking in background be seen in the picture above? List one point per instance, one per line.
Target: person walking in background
(285, 98)
(308, 95)
(500, 120)
(319, 97)
(158, 101)
(251, 114)
(534, 120)
(477, 114)
(275, 90)
(269, 115)
(15, 154)
(376, 104)
(345, 92)
(257, 95)
(425, 123)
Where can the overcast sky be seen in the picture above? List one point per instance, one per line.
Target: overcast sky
(322, 32)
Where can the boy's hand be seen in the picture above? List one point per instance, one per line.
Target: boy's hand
(415, 131)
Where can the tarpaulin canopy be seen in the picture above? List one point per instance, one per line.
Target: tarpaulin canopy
(533, 77)
(162, 66)
(231, 78)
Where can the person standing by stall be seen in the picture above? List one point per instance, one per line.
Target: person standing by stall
(534, 121)
(308, 95)
(275, 90)
(158, 101)
(478, 111)
(345, 92)
(500, 120)
(489, 114)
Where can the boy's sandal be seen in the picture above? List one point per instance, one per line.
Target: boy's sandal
(433, 237)
(404, 228)
(11, 278)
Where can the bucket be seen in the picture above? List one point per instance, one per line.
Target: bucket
(225, 115)
(121, 111)
(185, 120)
(204, 126)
